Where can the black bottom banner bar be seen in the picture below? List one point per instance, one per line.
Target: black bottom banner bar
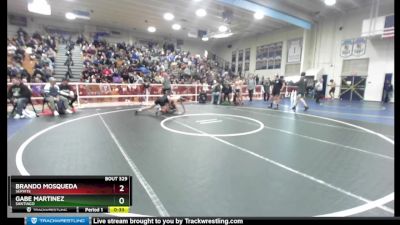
(164, 221)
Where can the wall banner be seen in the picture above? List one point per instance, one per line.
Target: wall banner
(294, 50)
(346, 48)
(359, 46)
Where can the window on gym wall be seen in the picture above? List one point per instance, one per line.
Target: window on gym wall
(269, 56)
(247, 60)
(358, 66)
(233, 67)
(240, 62)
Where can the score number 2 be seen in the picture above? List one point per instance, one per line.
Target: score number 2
(121, 188)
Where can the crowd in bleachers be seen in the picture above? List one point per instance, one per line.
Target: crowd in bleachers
(109, 63)
(138, 63)
(31, 57)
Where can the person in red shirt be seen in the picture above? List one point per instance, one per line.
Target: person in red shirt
(106, 72)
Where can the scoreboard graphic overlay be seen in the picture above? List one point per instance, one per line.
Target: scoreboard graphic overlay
(69, 194)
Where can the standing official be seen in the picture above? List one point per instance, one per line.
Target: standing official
(265, 89)
(251, 85)
(279, 85)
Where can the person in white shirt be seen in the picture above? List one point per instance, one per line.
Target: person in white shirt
(251, 86)
(205, 87)
(53, 96)
(318, 90)
(237, 98)
(139, 79)
(11, 49)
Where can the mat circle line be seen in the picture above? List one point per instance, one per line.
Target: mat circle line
(347, 212)
(261, 125)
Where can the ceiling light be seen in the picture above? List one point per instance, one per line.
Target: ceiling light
(258, 15)
(40, 7)
(168, 16)
(330, 2)
(222, 28)
(70, 16)
(222, 35)
(79, 14)
(201, 12)
(176, 26)
(151, 29)
(192, 34)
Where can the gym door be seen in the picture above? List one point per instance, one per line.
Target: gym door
(353, 88)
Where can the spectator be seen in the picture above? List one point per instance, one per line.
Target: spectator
(87, 62)
(166, 85)
(19, 56)
(46, 61)
(107, 72)
(19, 94)
(318, 90)
(116, 79)
(237, 97)
(251, 85)
(205, 87)
(11, 48)
(332, 85)
(67, 91)
(22, 36)
(24, 81)
(47, 71)
(126, 59)
(216, 92)
(52, 95)
(51, 55)
(265, 89)
(36, 89)
(226, 89)
(69, 62)
(387, 90)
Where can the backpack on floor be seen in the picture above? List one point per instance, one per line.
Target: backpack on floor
(202, 98)
(60, 107)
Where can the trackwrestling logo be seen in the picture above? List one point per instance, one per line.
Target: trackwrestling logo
(33, 220)
(57, 220)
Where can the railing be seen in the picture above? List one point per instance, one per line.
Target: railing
(105, 94)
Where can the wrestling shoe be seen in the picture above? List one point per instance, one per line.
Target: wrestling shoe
(158, 111)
